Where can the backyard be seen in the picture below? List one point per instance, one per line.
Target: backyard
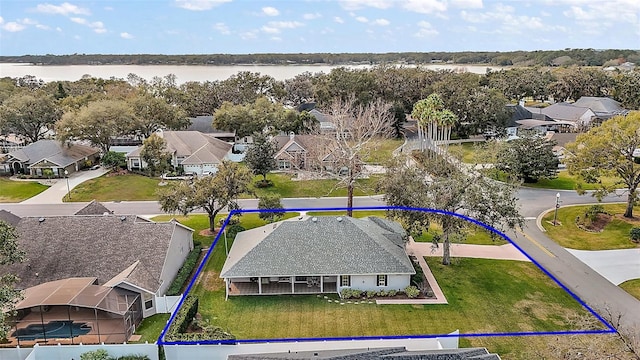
(484, 297)
(17, 191)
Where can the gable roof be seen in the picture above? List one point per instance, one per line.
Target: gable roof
(93, 208)
(54, 152)
(9, 217)
(602, 106)
(564, 111)
(283, 142)
(196, 147)
(60, 247)
(323, 245)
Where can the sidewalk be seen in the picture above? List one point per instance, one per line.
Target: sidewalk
(58, 189)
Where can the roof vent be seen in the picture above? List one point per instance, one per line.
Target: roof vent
(41, 219)
(339, 218)
(314, 219)
(123, 218)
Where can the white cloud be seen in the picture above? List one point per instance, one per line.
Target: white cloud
(62, 9)
(248, 35)
(199, 5)
(270, 11)
(27, 21)
(359, 4)
(108, 8)
(310, 16)
(13, 26)
(97, 26)
(338, 19)
(285, 24)
(381, 22)
(1, 20)
(468, 4)
(58, 29)
(425, 29)
(126, 35)
(42, 27)
(362, 19)
(222, 28)
(270, 29)
(425, 6)
(275, 38)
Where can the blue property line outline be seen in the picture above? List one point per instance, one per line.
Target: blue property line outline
(160, 341)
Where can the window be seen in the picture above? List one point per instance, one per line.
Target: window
(382, 280)
(148, 304)
(345, 280)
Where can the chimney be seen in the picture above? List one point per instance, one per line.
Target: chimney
(291, 135)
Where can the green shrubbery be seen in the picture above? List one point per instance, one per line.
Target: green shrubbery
(634, 234)
(102, 354)
(411, 292)
(201, 331)
(187, 268)
(348, 293)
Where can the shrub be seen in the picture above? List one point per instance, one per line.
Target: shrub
(634, 234)
(185, 271)
(411, 292)
(348, 293)
(593, 211)
(234, 229)
(100, 354)
(371, 294)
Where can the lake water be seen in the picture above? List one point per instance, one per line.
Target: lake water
(185, 73)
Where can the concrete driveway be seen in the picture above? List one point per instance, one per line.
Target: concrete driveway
(616, 266)
(57, 191)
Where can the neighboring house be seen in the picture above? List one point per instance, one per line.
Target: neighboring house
(196, 152)
(604, 107)
(303, 152)
(389, 353)
(323, 254)
(580, 117)
(204, 124)
(10, 142)
(106, 270)
(34, 159)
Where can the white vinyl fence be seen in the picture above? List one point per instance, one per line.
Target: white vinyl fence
(73, 352)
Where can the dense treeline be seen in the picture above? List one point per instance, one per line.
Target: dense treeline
(582, 57)
(96, 109)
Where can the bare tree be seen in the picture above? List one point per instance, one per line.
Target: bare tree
(356, 130)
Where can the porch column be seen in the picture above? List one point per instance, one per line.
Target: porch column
(321, 283)
(259, 285)
(226, 289)
(293, 284)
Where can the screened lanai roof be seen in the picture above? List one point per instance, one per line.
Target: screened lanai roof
(79, 292)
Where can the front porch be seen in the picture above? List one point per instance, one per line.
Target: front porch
(281, 285)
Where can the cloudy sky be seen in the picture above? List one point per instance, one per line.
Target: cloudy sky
(285, 26)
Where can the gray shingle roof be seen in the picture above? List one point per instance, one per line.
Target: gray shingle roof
(60, 247)
(326, 246)
(54, 152)
(9, 217)
(93, 208)
(376, 354)
(564, 111)
(602, 106)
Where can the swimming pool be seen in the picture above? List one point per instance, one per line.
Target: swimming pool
(52, 330)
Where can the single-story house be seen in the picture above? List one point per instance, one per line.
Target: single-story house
(580, 117)
(323, 254)
(303, 152)
(34, 159)
(106, 270)
(196, 152)
(604, 107)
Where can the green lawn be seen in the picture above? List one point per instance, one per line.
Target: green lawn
(200, 222)
(287, 188)
(567, 234)
(17, 191)
(517, 290)
(464, 151)
(475, 236)
(566, 181)
(632, 287)
(382, 151)
(151, 327)
(130, 187)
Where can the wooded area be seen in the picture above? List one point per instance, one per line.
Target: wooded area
(583, 57)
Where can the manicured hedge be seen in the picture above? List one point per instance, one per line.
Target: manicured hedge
(183, 275)
(184, 318)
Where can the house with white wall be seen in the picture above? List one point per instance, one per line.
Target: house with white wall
(322, 254)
